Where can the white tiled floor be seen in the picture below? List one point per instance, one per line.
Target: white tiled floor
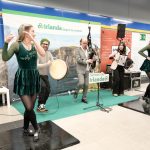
(9, 114)
(137, 91)
(120, 129)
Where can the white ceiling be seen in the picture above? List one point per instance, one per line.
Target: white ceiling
(136, 10)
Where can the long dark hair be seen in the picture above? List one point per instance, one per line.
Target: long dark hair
(124, 48)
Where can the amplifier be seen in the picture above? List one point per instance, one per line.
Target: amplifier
(135, 82)
(130, 81)
(133, 74)
(133, 79)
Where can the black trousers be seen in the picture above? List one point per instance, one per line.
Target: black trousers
(45, 89)
(118, 80)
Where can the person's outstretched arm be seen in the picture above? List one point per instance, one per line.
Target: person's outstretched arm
(141, 52)
(8, 53)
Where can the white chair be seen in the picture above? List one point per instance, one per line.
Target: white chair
(3, 91)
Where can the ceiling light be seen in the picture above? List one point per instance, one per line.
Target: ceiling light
(94, 15)
(123, 21)
(69, 11)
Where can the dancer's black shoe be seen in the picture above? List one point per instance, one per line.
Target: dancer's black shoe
(28, 132)
(75, 95)
(36, 135)
(84, 100)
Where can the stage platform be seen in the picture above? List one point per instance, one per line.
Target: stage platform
(66, 106)
(52, 137)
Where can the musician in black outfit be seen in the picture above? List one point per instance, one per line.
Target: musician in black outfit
(119, 57)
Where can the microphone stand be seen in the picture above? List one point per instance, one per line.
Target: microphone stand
(98, 103)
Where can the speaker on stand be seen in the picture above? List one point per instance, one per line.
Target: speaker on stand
(121, 31)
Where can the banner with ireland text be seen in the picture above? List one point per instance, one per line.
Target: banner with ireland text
(64, 35)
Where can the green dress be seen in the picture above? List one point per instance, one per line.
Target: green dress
(146, 64)
(27, 80)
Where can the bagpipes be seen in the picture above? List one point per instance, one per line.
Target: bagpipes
(91, 51)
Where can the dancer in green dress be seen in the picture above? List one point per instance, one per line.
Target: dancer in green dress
(146, 67)
(26, 82)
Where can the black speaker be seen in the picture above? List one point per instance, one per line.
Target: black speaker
(121, 30)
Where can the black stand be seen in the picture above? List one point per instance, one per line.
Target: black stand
(98, 104)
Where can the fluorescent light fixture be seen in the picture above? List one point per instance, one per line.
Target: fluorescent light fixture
(123, 21)
(24, 4)
(69, 11)
(57, 9)
(94, 15)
